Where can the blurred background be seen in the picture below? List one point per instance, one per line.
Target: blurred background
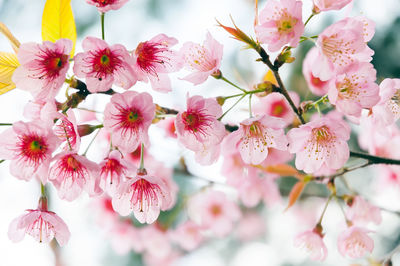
(189, 20)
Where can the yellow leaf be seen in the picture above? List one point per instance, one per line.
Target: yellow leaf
(295, 193)
(8, 63)
(270, 77)
(6, 32)
(58, 22)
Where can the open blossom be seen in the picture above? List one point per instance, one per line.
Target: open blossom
(203, 60)
(212, 210)
(387, 111)
(103, 65)
(145, 195)
(254, 137)
(354, 242)
(362, 212)
(106, 5)
(29, 147)
(325, 5)
(320, 144)
(355, 89)
(42, 67)
(66, 130)
(113, 171)
(188, 235)
(343, 44)
(312, 242)
(198, 128)
(72, 173)
(128, 116)
(154, 59)
(315, 84)
(280, 24)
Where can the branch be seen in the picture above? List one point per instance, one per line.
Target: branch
(374, 159)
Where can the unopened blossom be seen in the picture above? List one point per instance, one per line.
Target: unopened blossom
(71, 173)
(280, 23)
(102, 65)
(127, 117)
(312, 242)
(113, 170)
(199, 129)
(355, 89)
(29, 147)
(326, 5)
(43, 67)
(66, 130)
(144, 195)
(188, 235)
(275, 104)
(362, 212)
(106, 5)
(315, 84)
(254, 137)
(202, 60)
(212, 210)
(320, 144)
(343, 44)
(387, 111)
(153, 60)
(41, 224)
(354, 242)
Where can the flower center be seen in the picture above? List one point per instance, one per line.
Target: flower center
(285, 23)
(278, 109)
(145, 194)
(322, 134)
(104, 2)
(51, 63)
(216, 210)
(33, 148)
(196, 121)
(149, 56)
(104, 63)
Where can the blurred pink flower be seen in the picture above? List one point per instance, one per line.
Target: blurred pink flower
(29, 147)
(125, 237)
(312, 242)
(103, 65)
(325, 5)
(250, 227)
(156, 242)
(354, 242)
(113, 170)
(188, 235)
(316, 85)
(168, 125)
(280, 24)
(43, 67)
(153, 60)
(320, 144)
(128, 116)
(203, 60)
(361, 212)
(106, 5)
(387, 111)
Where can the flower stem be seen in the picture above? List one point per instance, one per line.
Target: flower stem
(324, 210)
(42, 190)
(102, 25)
(91, 142)
(309, 18)
(220, 118)
(6, 124)
(231, 83)
(141, 166)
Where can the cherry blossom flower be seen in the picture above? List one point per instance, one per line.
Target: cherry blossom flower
(154, 59)
(107, 5)
(387, 111)
(250, 227)
(168, 125)
(128, 116)
(316, 85)
(41, 224)
(171, 259)
(354, 242)
(66, 130)
(212, 210)
(312, 242)
(43, 67)
(199, 130)
(124, 237)
(113, 171)
(320, 144)
(280, 24)
(202, 60)
(145, 195)
(188, 235)
(72, 173)
(326, 5)
(103, 65)
(362, 212)
(254, 137)
(29, 147)
(156, 241)
(343, 44)
(355, 89)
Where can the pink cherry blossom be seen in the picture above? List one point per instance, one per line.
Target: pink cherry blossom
(354, 242)
(387, 111)
(145, 195)
(168, 125)
(343, 44)
(316, 85)
(66, 130)
(355, 89)
(202, 60)
(320, 144)
(43, 67)
(199, 130)
(128, 116)
(212, 210)
(254, 137)
(312, 242)
(107, 5)
(103, 65)
(326, 5)
(72, 173)
(188, 235)
(275, 104)
(124, 237)
(171, 259)
(113, 171)
(154, 59)
(156, 241)
(29, 147)
(362, 212)
(250, 227)
(280, 24)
